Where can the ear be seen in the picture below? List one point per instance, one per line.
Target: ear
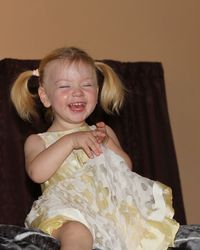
(43, 97)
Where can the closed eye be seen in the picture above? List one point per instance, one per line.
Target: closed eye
(65, 85)
(62, 83)
(87, 84)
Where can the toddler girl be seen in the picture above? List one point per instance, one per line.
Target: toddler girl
(90, 197)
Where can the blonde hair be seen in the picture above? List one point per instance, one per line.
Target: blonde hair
(111, 96)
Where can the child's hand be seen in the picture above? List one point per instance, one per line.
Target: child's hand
(102, 135)
(88, 141)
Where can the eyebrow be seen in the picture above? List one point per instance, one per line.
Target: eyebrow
(62, 79)
(67, 80)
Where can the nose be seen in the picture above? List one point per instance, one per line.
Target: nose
(77, 91)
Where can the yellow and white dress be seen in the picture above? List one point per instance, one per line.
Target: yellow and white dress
(123, 210)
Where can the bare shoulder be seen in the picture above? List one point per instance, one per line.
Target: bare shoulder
(112, 134)
(33, 145)
(33, 140)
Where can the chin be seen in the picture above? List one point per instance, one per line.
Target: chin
(78, 121)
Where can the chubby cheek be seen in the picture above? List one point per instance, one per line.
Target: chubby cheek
(58, 100)
(93, 97)
(62, 94)
(95, 93)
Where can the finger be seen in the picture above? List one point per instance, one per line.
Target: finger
(95, 147)
(100, 124)
(88, 152)
(101, 138)
(98, 136)
(100, 131)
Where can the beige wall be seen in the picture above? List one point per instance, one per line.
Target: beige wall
(128, 30)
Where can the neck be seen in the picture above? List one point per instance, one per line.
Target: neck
(67, 126)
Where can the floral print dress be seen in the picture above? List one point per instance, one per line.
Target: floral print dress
(122, 210)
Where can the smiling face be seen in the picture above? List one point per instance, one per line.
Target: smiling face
(71, 90)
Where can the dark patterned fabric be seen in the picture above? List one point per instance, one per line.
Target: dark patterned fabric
(143, 128)
(14, 237)
(188, 237)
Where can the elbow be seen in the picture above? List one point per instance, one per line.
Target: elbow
(35, 177)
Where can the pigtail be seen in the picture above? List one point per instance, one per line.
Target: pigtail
(113, 91)
(22, 98)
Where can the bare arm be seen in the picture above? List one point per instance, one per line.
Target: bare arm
(113, 143)
(41, 162)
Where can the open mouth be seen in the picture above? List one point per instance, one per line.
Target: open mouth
(77, 106)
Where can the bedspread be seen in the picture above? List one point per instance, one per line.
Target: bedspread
(15, 237)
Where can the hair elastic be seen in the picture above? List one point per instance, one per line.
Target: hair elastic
(36, 72)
